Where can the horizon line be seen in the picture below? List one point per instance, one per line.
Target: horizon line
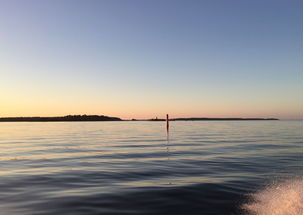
(94, 117)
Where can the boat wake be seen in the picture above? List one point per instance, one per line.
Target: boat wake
(279, 198)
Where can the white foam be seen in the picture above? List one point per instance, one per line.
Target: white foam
(280, 198)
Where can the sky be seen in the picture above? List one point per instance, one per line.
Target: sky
(145, 58)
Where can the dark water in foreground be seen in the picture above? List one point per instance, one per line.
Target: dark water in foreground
(131, 168)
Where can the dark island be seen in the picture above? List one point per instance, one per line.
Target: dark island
(69, 118)
(221, 119)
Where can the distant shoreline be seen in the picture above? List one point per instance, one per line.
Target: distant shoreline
(93, 118)
(214, 119)
(69, 118)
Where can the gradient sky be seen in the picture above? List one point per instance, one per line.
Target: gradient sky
(146, 58)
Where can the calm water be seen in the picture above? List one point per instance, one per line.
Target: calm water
(233, 167)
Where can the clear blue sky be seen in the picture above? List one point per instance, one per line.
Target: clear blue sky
(146, 58)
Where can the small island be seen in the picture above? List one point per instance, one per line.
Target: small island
(69, 118)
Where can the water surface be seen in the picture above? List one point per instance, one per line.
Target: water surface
(205, 167)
